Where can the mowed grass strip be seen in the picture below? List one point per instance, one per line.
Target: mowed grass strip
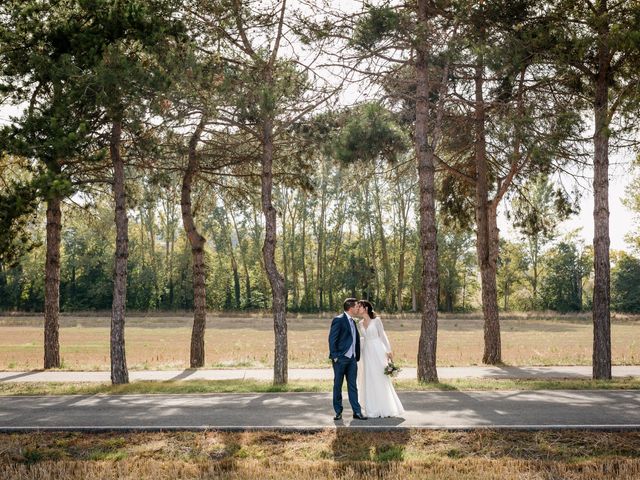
(255, 386)
(342, 454)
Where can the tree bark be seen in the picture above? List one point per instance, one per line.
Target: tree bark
(278, 289)
(245, 267)
(486, 230)
(601, 286)
(337, 236)
(534, 256)
(321, 242)
(303, 255)
(285, 259)
(236, 276)
(403, 246)
(367, 227)
(427, 345)
(257, 242)
(197, 242)
(52, 285)
(119, 372)
(292, 256)
(386, 264)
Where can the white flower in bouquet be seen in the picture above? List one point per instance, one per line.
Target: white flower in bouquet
(391, 370)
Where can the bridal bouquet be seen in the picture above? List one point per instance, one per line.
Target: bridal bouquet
(391, 370)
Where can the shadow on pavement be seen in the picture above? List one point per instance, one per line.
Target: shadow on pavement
(184, 374)
(20, 375)
(527, 373)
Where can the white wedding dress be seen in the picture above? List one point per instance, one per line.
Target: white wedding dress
(376, 394)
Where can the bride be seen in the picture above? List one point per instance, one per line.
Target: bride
(376, 393)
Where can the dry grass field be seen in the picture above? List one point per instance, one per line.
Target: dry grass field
(330, 454)
(162, 342)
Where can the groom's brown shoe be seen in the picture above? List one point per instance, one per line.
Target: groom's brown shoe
(359, 416)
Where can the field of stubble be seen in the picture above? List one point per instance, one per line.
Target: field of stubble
(162, 341)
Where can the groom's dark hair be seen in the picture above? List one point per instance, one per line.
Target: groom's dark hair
(349, 303)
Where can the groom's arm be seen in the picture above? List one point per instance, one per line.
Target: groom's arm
(334, 332)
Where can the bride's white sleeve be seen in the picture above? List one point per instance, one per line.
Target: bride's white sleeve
(383, 336)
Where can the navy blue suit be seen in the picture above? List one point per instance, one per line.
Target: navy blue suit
(340, 342)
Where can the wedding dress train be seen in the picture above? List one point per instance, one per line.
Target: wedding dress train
(376, 394)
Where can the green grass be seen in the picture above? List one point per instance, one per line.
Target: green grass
(250, 386)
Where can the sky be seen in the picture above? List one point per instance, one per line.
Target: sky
(621, 219)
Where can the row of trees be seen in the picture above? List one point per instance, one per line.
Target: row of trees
(556, 275)
(220, 100)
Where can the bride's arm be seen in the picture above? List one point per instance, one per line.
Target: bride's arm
(384, 338)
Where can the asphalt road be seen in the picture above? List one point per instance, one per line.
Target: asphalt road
(309, 411)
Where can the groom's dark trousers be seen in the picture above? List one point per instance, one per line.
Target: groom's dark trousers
(341, 339)
(345, 367)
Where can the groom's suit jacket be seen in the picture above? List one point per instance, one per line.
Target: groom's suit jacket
(340, 338)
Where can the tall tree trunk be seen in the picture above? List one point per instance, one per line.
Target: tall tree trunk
(400, 280)
(292, 256)
(150, 223)
(506, 294)
(278, 289)
(245, 267)
(601, 286)
(534, 256)
(197, 242)
(487, 232)
(416, 280)
(337, 235)
(386, 264)
(427, 345)
(119, 372)
(236, 275)
(303, 254)
(285, 260)
(52, 285)
(367, 227)
(403, 247)
(170, 267)
(257, 241)
(321, 243)
(464, 288)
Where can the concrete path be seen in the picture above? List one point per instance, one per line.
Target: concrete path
(611, 410)
(314, 374)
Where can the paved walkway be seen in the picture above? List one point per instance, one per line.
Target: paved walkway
(532, 410)
(444, 373)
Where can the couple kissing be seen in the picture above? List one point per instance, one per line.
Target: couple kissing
(371, 394)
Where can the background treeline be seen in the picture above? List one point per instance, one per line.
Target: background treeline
(554, 276)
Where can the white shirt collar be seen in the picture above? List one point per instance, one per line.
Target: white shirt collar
(348, 316)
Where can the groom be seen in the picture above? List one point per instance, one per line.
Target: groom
(344, 351)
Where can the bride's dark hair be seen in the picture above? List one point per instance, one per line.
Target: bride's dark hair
(370, 311)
